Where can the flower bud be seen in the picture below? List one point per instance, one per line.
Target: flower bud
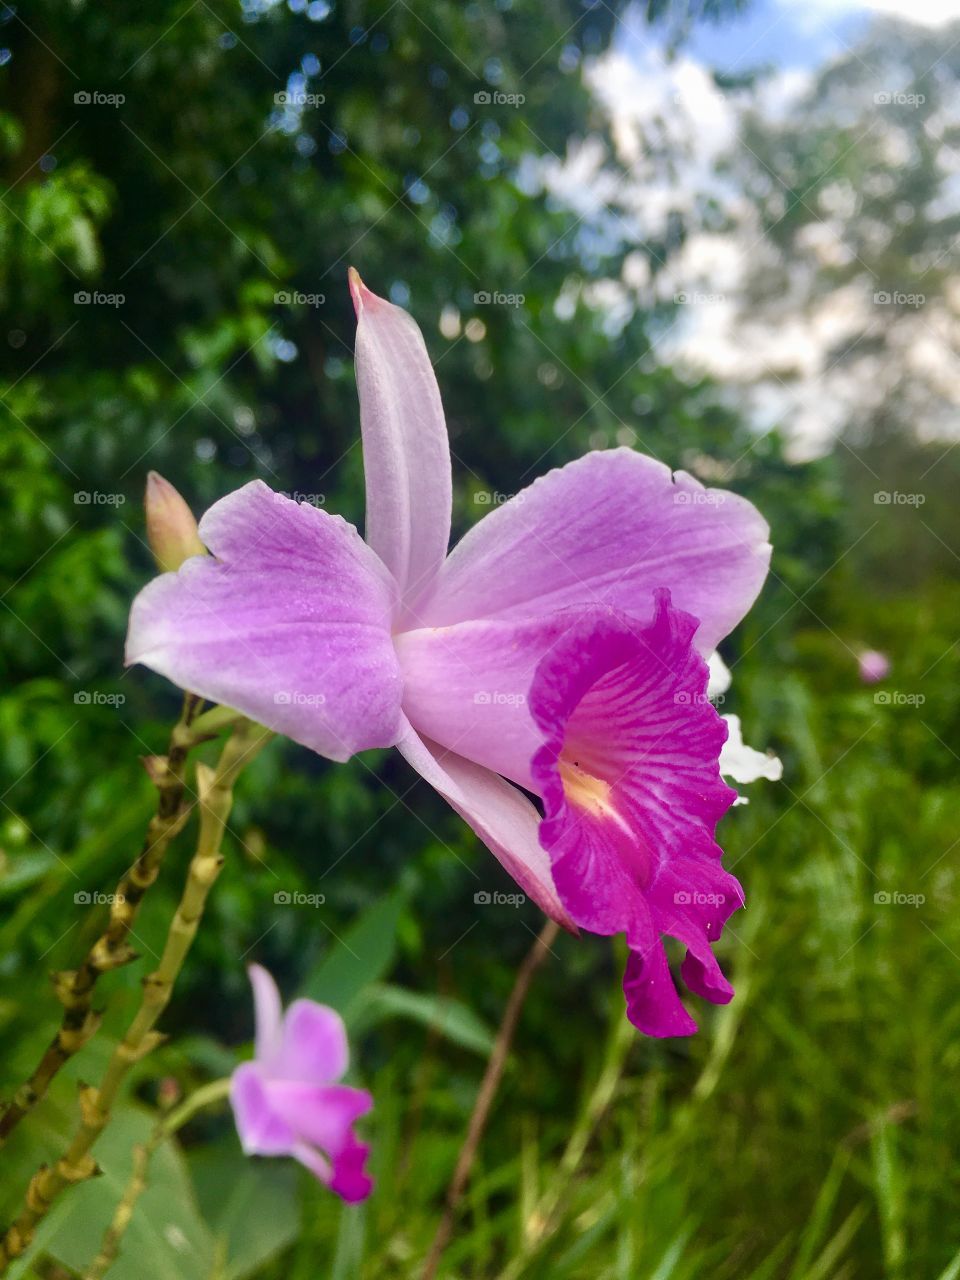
(171, 527)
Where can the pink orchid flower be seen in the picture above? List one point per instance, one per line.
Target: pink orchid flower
(559, 649)
(287, 1102)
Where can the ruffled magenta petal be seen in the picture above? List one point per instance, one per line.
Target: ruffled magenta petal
(632, 794)
(313, 1046)
(406, 455)
(608, 529)
(288, 621)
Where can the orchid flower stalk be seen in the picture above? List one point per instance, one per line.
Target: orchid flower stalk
(560, 651)
(77, 1164)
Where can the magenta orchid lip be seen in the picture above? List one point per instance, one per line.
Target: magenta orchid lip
(561, 648)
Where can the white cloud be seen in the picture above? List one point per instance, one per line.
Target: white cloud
(929, 13)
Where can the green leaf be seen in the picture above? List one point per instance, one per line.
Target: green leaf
(251, 1206)
(166, 1238)
(362, 956)
(450, 1018)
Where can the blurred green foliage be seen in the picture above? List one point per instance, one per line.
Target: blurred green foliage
(809, 1130)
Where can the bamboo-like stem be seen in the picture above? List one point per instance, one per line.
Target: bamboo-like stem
(215, 792)
(487, 1092)
(74, 987)
(168, 1125)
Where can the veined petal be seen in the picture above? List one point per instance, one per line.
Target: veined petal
(502, 817)
(287, 621)
(608, 529)
(406, 454)
(632, 794)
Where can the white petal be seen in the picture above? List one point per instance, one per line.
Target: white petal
(741, 763)
(720, 676)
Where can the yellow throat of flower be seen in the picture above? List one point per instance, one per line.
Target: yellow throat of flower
(588, 793)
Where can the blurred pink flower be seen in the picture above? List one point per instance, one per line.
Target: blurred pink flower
(287, 1101)
(874, 666)
(559, 649)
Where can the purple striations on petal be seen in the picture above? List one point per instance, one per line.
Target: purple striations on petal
(632, 794)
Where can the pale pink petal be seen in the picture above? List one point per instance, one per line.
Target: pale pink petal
(267, 1012)
(406, 456)
(324, 1116)
(262, 1131)
(288, 621)
(466, 687)
(608, 529)
(314, 1045)
(502, 817)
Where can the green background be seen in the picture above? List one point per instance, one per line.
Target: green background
(809, 1131)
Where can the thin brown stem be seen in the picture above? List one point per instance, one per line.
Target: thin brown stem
(488, 1089)
(75, 987)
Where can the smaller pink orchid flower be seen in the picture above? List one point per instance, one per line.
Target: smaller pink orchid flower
(287, 1101)
(874, 666)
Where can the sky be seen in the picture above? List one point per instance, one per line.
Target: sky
(639, 83)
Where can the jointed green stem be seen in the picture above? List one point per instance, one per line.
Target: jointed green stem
(74, 987)
(215, 1091)
(215, 790)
